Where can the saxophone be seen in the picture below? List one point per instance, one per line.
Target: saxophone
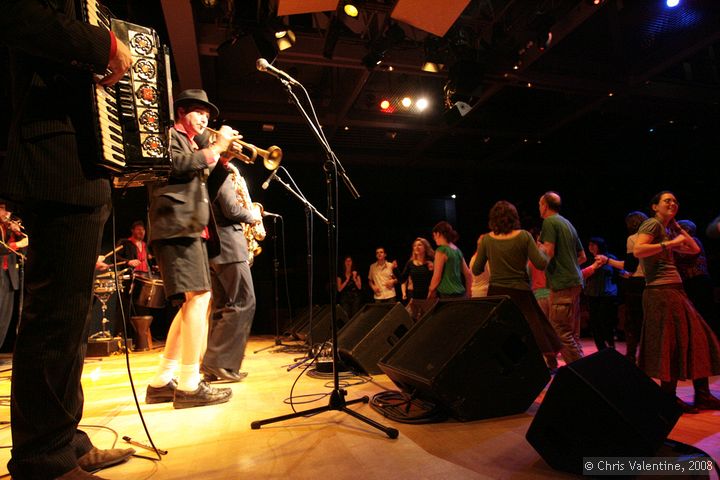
(253, 233)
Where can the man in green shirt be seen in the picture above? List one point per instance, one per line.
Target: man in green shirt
(562, 245)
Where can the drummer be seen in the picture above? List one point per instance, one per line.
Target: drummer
(135, 250)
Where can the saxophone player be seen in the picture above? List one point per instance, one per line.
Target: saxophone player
(233, 295)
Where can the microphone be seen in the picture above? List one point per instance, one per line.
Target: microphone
(270, 214)
(265, 66)
(266, 183)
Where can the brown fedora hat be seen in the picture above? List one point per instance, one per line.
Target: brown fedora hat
(196, 95)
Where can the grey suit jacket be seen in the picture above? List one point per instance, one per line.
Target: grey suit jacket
(52, 149)
(229, 216)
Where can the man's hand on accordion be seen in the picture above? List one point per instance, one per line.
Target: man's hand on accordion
(118, 65)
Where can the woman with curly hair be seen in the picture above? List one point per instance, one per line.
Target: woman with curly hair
(418, 270)
(507, 248)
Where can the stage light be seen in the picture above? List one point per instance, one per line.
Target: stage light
(406, 102)
(385, 104)
(432, 67)
(393, 36)
(672, 3)
(372, 60)
(453, 196)
(284, 39)
(350, 10)
(421, 104)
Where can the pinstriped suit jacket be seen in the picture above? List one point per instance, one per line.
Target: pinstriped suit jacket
(52, 149)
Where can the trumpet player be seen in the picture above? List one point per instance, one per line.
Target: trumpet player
(233, 294)
(179, 217)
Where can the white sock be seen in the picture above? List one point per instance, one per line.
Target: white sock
(189, 377)
(165, 373)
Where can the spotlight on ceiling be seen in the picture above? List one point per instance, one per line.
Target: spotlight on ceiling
(422, 104)
(595, 2)
(406, 102)
(432, 67)
(284, 39)
(672, 3)
(392, 37)
(434, 58)
(350, 9)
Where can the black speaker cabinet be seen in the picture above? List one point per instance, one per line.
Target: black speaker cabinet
(371, 333)
(476, 358)
(321, 323)
(300, 321)
(601, 406)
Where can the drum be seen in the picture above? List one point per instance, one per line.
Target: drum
(148, 292)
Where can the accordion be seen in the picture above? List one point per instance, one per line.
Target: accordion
(133, 116)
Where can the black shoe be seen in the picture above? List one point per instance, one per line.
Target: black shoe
(203, 395)
(212, 374)
(161, 394)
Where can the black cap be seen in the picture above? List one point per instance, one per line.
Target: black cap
(196, 95)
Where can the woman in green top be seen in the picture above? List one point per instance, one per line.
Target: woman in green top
(508, 248)
(450, 267)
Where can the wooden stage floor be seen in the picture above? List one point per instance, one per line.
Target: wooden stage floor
(217, 442)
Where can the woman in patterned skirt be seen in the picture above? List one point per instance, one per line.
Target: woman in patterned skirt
(676, 342)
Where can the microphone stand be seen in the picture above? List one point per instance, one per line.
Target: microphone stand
(332, 169)
(276, 268)
(309, 211)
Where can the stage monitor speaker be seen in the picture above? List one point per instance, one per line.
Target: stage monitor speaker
(371, 333)
(601, 406)
(321, 324)
(300, 320)
(476, 358)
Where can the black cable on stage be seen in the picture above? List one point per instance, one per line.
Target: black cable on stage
(406, 408)
(127, 351)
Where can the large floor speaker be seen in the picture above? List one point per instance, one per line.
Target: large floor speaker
(321, 323)
(601, 406)
(371, 333)
(476, 358)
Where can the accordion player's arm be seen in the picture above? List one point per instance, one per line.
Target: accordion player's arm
(34, 28)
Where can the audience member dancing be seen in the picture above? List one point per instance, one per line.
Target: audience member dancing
(508, 249)
(696, 279)
(349, 287)
(450, 269)
(179, 215)
(676, 342)
(633, 286)
(418, 270)
(563, 247)
(601, 292)
(481, 282)
(382, 278)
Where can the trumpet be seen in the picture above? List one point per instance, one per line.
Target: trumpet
(271, 157)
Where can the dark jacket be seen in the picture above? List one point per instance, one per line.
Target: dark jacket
(52, 149)
(180, 206)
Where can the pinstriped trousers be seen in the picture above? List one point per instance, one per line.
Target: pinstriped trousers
(46, 395)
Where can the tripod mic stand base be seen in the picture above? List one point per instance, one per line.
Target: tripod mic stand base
(337, 402)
